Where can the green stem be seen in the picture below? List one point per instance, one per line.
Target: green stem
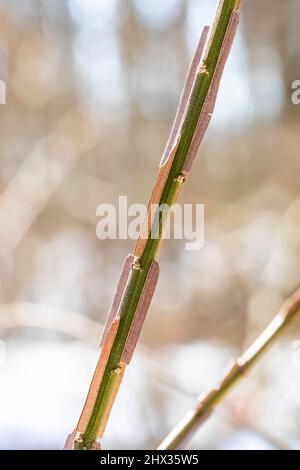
(138, 277)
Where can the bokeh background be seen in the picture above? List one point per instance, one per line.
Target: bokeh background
(92, 87)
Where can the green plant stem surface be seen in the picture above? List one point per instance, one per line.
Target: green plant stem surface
(138, 276)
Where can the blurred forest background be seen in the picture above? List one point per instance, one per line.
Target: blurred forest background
(92, 87)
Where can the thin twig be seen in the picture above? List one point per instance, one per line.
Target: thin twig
(189, 425)
(140, 270)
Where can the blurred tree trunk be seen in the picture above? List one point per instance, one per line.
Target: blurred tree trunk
(152, 63)
(271, 32)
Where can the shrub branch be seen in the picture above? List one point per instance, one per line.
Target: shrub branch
(140, 270)
(236, 370)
